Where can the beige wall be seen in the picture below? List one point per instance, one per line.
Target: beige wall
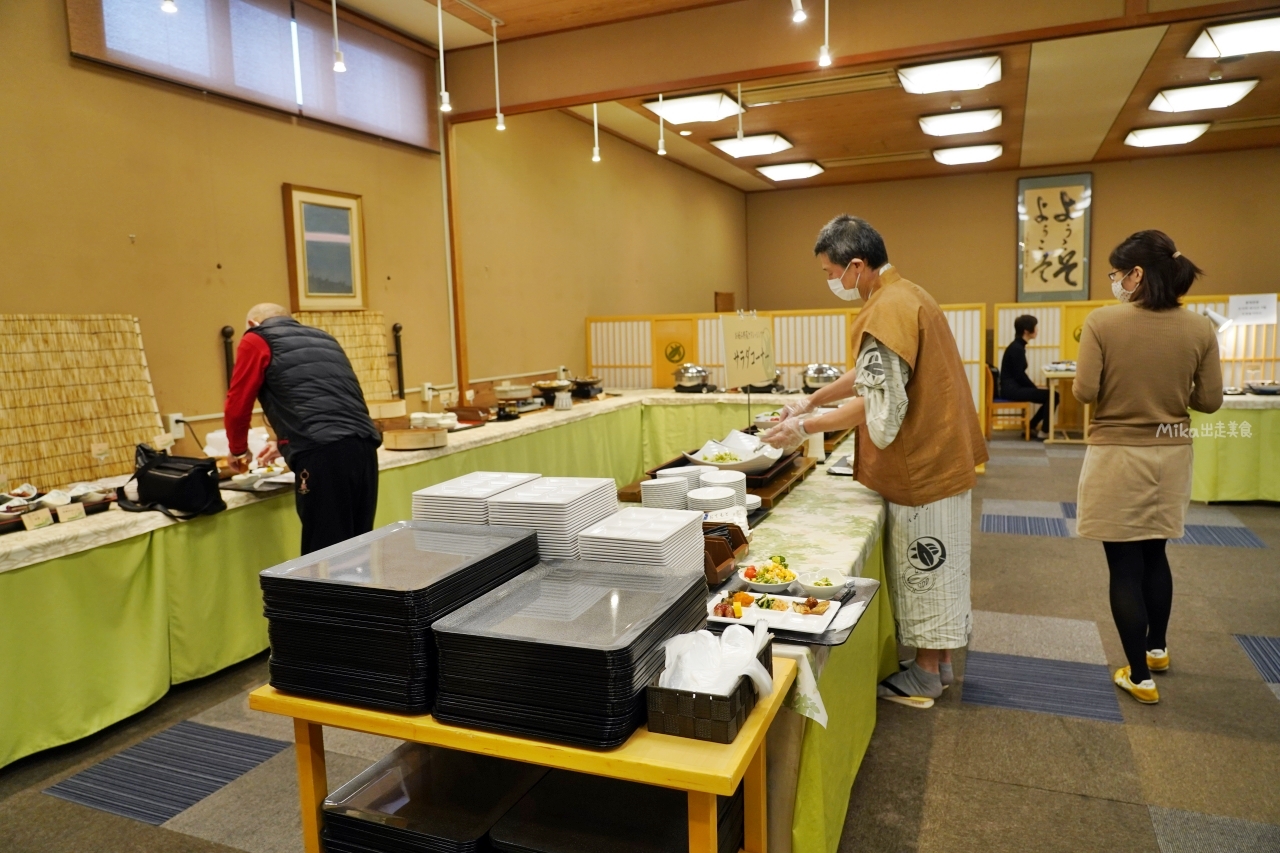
(956, 236)
(548, 238)
(89, 156)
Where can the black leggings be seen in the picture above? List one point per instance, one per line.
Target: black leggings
(1141, 598)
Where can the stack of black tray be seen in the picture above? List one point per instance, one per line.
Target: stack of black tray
(424, 799)
(564, 651)
(574, 813)
(352, 623)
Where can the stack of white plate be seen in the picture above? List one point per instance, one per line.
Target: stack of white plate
(735, 480)
(710, 498)
(753, 503)
(646, 537)
(464, 500)
(692, 473)
(664, 493)
(559, 508)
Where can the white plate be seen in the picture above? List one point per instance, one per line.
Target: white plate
(782, 620)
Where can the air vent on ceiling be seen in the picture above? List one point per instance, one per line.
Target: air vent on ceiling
(825, 87)
(1245, 123)
(874, 159)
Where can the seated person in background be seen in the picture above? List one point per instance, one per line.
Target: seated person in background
(1015, 384)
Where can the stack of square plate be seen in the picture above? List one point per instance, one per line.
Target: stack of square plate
(564, 651)
(735, 480)
(646, 537)
(351, 623)
(558, 508)
(575, 813)
(665, 492)
(464, 500)
(424, 799)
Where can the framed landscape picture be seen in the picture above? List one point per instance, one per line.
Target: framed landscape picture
(1054, 219)
(324, 231)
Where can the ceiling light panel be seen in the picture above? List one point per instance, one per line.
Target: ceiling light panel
(968, 154)
(951, 124)
(752, 146)
(712, 106)
(790, 171)
(960, 75)
(1212, 97)
(1150, 137)
(1238, 39)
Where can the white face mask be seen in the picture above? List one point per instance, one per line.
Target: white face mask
(838, 288)
(1118, 291)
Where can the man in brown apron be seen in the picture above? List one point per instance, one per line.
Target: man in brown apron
(918, 443)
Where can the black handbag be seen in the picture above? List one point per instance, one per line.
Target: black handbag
(181, 487)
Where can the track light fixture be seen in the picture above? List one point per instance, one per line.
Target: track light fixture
(797, 12)
(497, 95)
(338, 65)
(824, 55)
(169, 6)
(595, 124)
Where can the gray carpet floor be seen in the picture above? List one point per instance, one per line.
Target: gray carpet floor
(1197, 773)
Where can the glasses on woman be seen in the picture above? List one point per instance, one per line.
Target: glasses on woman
(1116, 276)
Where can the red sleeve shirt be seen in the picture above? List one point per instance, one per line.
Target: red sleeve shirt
(252, 357)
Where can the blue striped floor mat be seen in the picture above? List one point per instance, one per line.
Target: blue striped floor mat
(1213, 534)
(167, 773)
(1025, 525)
(1065, 688)
(1265, 654)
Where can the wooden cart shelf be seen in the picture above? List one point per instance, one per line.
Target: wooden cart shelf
(701, 769)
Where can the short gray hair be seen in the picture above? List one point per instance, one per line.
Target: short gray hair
(265, 311)
(847, 237)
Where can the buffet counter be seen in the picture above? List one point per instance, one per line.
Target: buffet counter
(102, 616)
(1237, 450)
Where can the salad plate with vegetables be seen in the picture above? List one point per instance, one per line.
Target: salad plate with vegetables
(771, 575)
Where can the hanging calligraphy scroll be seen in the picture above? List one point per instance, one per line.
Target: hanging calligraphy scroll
(1054, 215)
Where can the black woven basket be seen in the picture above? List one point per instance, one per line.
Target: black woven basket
(704, 716)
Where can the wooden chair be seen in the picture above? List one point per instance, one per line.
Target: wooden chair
(1006, 414)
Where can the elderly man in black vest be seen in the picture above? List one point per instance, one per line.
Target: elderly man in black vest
(312, 399)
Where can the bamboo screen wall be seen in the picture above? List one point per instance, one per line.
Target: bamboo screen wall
(363, 335)
(70, 381)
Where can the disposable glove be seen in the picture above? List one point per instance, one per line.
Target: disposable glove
(787, 435)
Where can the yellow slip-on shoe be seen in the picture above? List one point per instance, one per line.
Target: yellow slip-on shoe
(1145, 692)
(1158, 660)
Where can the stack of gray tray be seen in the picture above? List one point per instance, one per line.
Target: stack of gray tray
(575, 813)
(564, 651)
(424, 799)
(352, 622)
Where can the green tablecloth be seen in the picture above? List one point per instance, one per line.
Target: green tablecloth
(94, 637)
(1231, 465)
(830, 757)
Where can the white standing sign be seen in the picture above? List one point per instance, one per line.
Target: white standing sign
(1258, 309)
(748, 350)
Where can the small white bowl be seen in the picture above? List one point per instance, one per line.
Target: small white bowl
(245, 479)
(822, 593)
(55, 498)
(753, 503)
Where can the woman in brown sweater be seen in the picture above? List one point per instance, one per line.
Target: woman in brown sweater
(1144, 363)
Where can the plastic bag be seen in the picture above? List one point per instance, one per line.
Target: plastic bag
(704, 663)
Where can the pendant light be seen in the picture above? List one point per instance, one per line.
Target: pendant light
(662, 139)
(824, 55)
(497, 95)
(338, 65)
(595, 123)
(445, 106)
(169, 6)
(797, 12)
(739, 111)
